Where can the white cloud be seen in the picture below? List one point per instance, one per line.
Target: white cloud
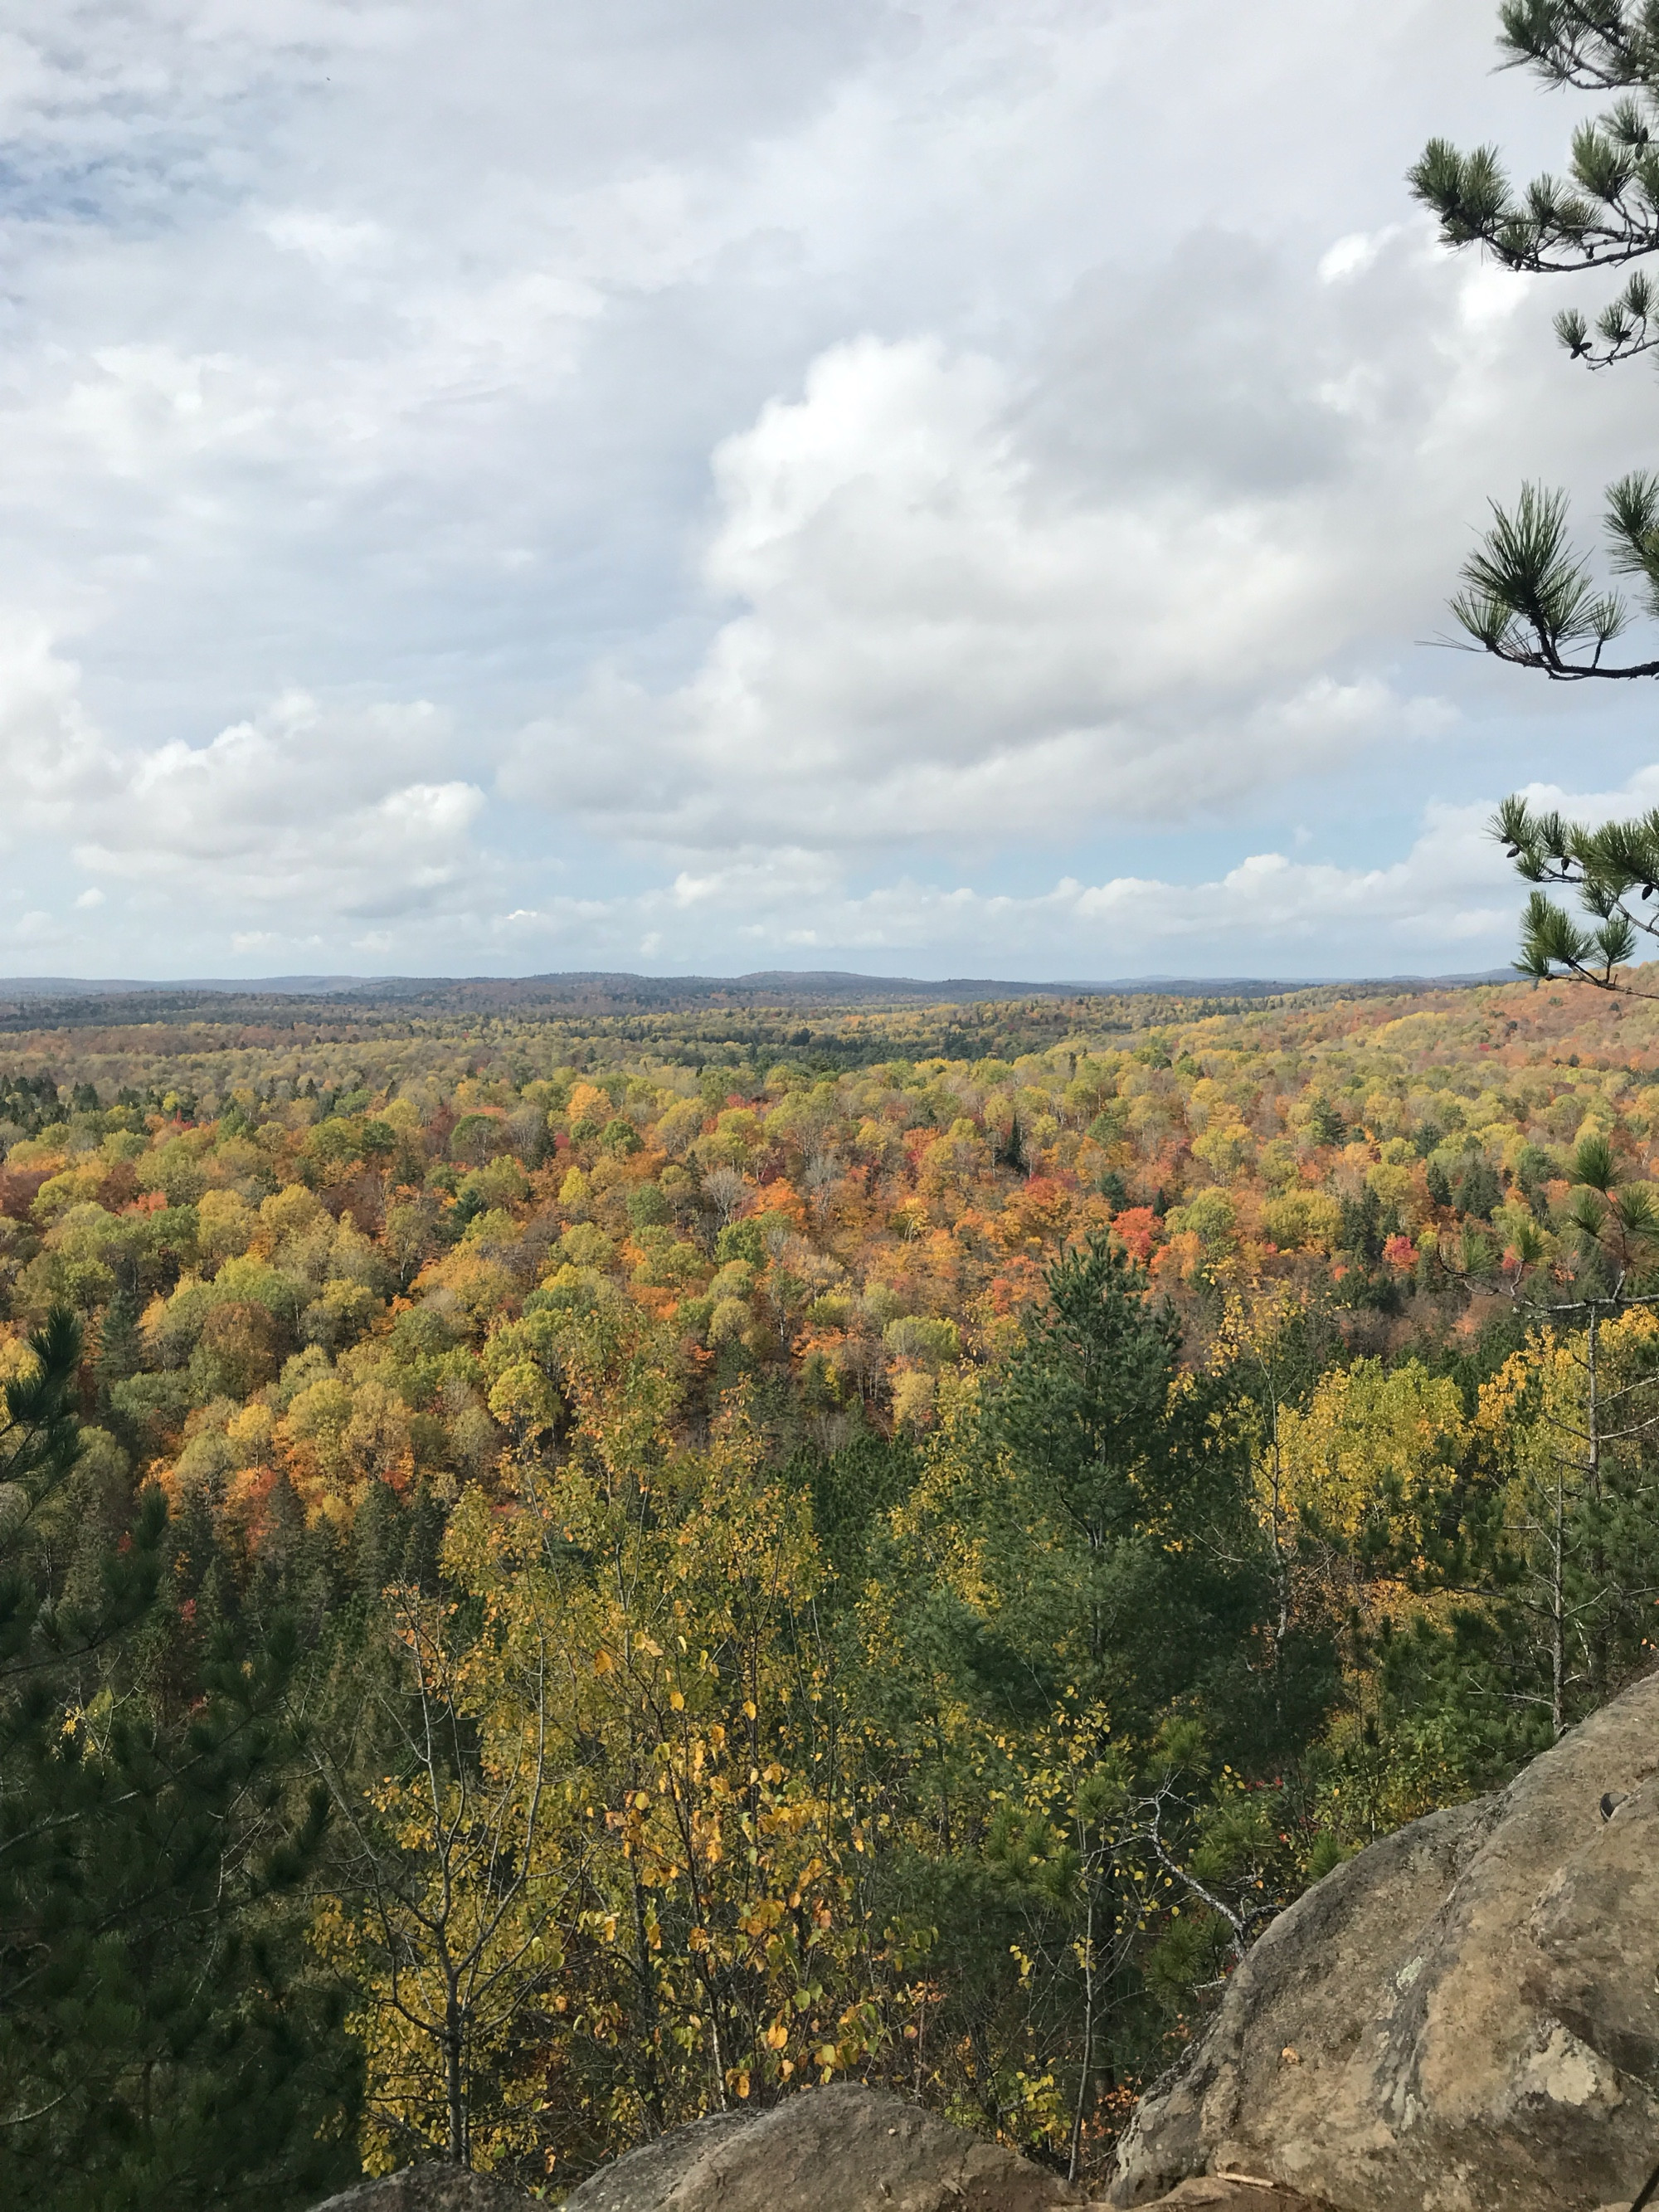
(943, 634)
(52, 758)
(302, 809)
(1353, 255)
(1451, 890)
(850, 452)
(1450, 902)
(332, 240)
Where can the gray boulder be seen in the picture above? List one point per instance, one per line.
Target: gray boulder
(844, 2149)
(1466, 2015)
(647, 2178)
(432, 2188)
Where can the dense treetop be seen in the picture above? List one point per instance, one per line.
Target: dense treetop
(615, 1563)
(279, 1240)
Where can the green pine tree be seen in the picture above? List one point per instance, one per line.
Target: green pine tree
(1527, 596)
(1139, 1481)
(161, 2042)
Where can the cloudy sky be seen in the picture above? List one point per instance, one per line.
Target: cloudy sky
(963, 487)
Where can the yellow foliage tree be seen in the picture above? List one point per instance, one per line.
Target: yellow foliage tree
(654, 1874)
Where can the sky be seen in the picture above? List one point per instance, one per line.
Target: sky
(951, 489)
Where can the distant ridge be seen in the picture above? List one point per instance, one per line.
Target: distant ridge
(814, 983)
(357, 1003)
(82, 986)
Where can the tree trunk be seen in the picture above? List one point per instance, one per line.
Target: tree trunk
(460, 2134)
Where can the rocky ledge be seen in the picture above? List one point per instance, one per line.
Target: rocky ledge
(1464, 2017)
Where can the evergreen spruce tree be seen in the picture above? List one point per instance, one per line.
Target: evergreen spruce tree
(119, 1349)
(159, 2042)
(1168, 1576)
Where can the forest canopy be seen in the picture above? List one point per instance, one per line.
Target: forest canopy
(562, 1568)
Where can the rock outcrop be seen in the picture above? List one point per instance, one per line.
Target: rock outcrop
(841, 2149)
(1466, 2015)
(431, 2188)
(655, 2178)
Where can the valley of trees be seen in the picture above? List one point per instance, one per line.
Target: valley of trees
(557, 1573)
(575, 1553)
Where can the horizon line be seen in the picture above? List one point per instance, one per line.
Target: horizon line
(293, 984)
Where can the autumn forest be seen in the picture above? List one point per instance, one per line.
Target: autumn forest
(568, 1562)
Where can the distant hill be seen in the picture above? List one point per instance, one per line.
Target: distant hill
(594, 991)
(837, 1019)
